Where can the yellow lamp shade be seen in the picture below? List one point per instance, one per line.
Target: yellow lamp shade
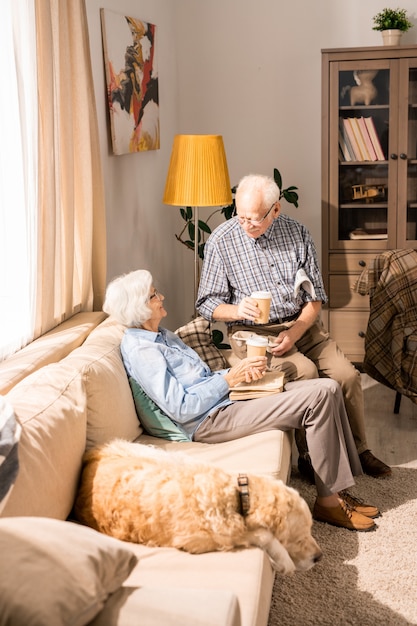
(198, 174)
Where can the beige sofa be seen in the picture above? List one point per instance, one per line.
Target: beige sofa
(69, 392)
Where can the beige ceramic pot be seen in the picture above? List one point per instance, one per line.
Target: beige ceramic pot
(391, 37)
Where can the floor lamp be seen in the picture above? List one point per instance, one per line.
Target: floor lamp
(197, 177)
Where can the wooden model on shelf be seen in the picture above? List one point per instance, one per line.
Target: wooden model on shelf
(368, 192)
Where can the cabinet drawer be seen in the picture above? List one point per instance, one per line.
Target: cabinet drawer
(349, 263)
(348, 330)
(342, 296)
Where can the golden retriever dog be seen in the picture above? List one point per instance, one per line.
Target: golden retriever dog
(141, 494)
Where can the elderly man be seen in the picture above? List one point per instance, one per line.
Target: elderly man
(262, 249)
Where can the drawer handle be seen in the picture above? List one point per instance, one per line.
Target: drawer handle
(362, 263)
(361, 334)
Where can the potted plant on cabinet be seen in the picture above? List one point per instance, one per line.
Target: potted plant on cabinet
(392, 23)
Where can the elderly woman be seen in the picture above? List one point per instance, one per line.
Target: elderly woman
(197, 399)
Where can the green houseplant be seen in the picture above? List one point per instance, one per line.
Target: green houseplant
(392, 19)
(392, 23)
(188, 236)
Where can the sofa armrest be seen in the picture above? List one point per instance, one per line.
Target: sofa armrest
(154, 606)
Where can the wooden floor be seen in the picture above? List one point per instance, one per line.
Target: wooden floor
(391, 437)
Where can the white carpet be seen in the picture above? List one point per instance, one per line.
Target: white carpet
(364, 579)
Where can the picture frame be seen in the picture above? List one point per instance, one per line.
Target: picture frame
(131, 68)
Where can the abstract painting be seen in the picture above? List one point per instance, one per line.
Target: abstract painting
(132, 82)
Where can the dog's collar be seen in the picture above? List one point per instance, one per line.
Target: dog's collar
(243, 489)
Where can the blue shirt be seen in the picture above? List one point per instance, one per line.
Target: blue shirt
(235, 265)
(173, 376)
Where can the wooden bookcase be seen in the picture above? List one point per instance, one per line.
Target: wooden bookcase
(367, 205)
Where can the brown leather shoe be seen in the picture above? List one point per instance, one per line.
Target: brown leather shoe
(343, 516)
(373, 466)
(359, 505)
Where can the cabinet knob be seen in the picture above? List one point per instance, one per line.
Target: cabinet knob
(403, 156)
(361, 334)
(394, 156)
(362, 263)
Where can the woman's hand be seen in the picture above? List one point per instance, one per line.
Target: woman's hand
(247, 370)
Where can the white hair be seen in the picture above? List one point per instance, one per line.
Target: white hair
(127, 298)
(258, 183)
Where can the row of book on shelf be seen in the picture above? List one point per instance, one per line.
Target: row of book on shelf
(358, 140)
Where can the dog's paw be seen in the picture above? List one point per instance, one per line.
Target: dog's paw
(283, 566)
(281, 561)
(279, 557)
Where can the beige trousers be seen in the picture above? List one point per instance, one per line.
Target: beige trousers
(315, 355)
(317, 406)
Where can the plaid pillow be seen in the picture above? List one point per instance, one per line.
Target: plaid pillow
(197, 335)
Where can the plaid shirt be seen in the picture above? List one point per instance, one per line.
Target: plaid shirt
(235, 265)
(391, 335)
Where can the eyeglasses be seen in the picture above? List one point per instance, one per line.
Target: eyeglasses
(155, 294)
(242, 220)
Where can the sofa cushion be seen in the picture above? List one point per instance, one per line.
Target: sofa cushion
(9, 463)
(152, 418)
(50, 406)
(197, 335)
(266, 453)
(111, 410)
(56, 572)
(49, 348)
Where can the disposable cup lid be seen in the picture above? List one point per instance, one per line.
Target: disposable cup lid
(260, 294)
(257, 341)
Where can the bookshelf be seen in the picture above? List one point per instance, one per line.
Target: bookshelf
(369, 174)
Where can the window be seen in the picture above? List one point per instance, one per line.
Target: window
(52, 219)
(18, 175)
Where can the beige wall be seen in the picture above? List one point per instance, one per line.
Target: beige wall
(250, 71)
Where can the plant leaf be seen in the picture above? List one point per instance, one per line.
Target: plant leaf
(277, 178)
(204, 227)
(191, 230)
(217, 337)
(291, 197)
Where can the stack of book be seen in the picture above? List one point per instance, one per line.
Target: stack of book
(358, 140)
(272, 382)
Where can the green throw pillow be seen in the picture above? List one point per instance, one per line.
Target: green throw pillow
(153, 420)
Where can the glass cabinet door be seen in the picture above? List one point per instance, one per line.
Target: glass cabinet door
(407, 156)
(363, 132)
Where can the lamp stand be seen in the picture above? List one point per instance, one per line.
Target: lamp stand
(196, 260)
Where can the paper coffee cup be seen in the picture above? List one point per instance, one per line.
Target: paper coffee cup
(263, 298)
(256, 346)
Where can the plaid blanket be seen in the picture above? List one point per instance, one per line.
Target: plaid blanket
(391, 335)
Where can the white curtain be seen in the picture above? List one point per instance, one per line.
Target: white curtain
(18, 174)
(52, 215)
(72, 245)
